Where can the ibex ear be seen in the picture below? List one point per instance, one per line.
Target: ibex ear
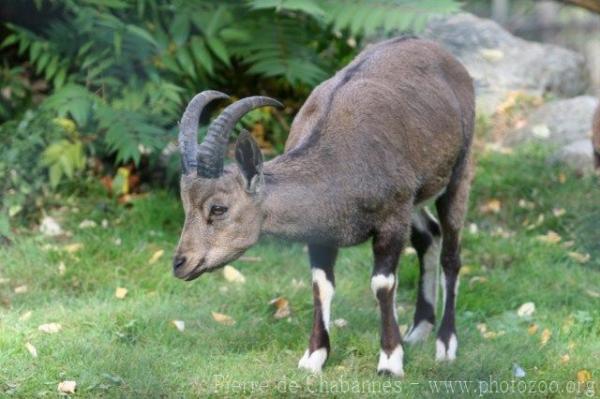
(249, 159)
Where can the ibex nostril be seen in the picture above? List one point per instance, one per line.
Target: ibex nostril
(178, 261)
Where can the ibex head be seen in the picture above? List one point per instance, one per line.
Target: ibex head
(222, 205)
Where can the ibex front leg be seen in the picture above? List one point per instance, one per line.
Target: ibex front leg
(322, 260)
(387, 247)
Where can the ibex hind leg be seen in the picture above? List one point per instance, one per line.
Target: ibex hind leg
(451, 209)
(426, 240)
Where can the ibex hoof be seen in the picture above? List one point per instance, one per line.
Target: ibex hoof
(446, 352)
(313, 362)
(391, 364)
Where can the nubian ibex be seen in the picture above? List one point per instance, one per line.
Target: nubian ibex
(368, 148)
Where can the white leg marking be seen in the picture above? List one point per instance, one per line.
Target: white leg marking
(313, 362)
(418, 333)
(442, 353)
(393, 362)
(381, 282)
(326, 292)
(443, 284)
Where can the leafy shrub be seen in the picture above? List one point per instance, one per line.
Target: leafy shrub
(124, 77)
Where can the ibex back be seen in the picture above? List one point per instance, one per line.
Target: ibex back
(367, 149)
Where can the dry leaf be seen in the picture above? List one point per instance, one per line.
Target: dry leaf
(179, 324)
(50, 328)
(564, 359)
(233, 275)
(50, 227)
(545, 337)
(31, 349)
(464, 270)
(223, 319)
(473, 229)
(532, 329)
(25, 316)
(477, 280)
(579, 257)
(523, 203)
(120, 292)
(62, 269)
(156, 256)
(298, 283)
(558, 212)
(492, 206)
(282, 307)
(526, 309)
(551, 237)
(562, 178)
(21, 289)
(568, 244)
(482, 328)
(593, 293)
(87, 224)
(490, 335)
(340, 323)
(72, 248)
(403, 328)
(583, 376)
(4, 280)
(67, 387)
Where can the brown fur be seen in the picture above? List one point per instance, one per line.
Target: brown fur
(387, 132)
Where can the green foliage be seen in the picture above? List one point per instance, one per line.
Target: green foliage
(123, 70)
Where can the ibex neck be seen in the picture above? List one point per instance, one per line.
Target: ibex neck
(293, 198)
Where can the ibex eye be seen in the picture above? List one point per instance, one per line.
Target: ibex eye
(218, 210)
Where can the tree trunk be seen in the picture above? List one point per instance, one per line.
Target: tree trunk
(592, 5)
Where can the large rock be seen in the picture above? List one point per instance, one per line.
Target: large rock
(577, 155)
(501, 63)
(558, 122)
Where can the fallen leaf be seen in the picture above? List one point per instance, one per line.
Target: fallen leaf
(104, 223)
(298, 283)
(50, 328)
(518, 371)
(491, 206)
(545, 337)
(562, 178)
(50, 227)
(156, 256)
(551, 237)
(62, 269)
(21, 289)
(223, 319)
(532, 329)
(67, 387)
(482, 328)
(403, 328)
(4, 280)
(579, 257)
(340, 323)
(72, 248)
(473, 229)
(558, 212)
(179, 324)
(118, 241)
(31, 349)
(25, 316)
(120, 292)
(564, 359)
(526, 310)
(87, 224)
(490, 335)
(233, 275)
(583, 376)
(568, 244)
(523, 203)
(593, 293)
(282, 307)
(464, 270)
(477, 280)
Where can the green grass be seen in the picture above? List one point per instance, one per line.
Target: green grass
(129, 348)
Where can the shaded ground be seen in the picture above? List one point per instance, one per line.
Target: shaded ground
(129, 347)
